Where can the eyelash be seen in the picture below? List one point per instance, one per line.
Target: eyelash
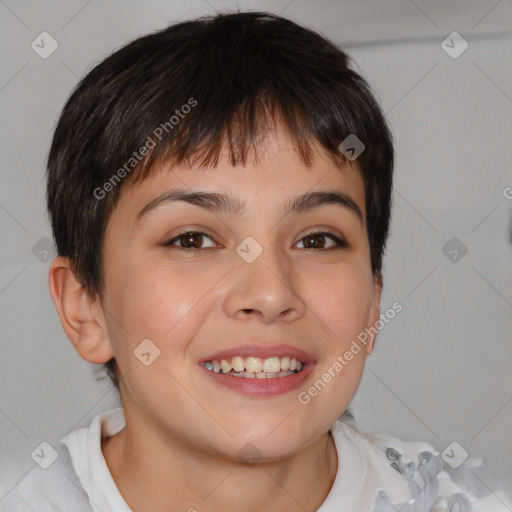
(339, 241)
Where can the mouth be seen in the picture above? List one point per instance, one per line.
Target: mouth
(258, 370)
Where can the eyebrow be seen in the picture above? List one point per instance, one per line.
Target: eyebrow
(226, 203)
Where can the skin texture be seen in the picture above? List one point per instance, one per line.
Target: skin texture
(180, 447)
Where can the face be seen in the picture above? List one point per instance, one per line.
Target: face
(251, 285)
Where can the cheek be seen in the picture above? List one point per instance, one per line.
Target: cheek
(162, 303)
(342, 300)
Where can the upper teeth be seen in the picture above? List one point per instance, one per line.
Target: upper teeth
(255, 364)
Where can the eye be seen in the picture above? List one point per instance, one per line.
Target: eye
(317, 240)
(189, 240)
(192, 240)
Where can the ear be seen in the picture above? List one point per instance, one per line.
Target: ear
(81, 317)
(374, 315)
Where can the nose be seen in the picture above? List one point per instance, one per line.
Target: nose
(265, 289)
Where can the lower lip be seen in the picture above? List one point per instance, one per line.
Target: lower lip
(262, 387)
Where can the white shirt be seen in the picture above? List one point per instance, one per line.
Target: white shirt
(80, 481)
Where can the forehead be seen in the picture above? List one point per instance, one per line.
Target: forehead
(272, 174)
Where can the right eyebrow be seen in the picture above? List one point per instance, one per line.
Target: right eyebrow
(208, 200)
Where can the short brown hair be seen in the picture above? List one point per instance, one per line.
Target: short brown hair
(239, 73)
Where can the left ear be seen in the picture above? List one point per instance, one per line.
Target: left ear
(374, 315)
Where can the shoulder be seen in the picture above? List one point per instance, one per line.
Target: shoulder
(53, 489)
(431, 483)
(77, 480)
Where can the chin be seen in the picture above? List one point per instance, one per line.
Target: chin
(271, 443)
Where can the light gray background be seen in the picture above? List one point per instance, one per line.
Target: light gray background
(441, 369)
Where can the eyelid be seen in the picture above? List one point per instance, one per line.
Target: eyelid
(323, 230)
(195, 228)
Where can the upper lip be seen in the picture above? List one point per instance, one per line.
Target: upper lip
(262, 351)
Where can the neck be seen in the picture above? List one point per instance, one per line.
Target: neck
(157, 475)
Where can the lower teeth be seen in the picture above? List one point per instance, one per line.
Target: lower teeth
(260, 375)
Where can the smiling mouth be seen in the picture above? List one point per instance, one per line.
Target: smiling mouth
(255, 367)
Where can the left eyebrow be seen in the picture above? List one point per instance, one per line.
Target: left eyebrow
(227, 203)
(312, 200)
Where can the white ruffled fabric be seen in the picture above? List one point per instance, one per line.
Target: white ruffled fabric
(433, 485)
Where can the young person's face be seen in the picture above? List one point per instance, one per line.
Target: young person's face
(307, 294)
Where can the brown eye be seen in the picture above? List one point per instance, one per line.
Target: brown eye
(189, 240)
(318, 241)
